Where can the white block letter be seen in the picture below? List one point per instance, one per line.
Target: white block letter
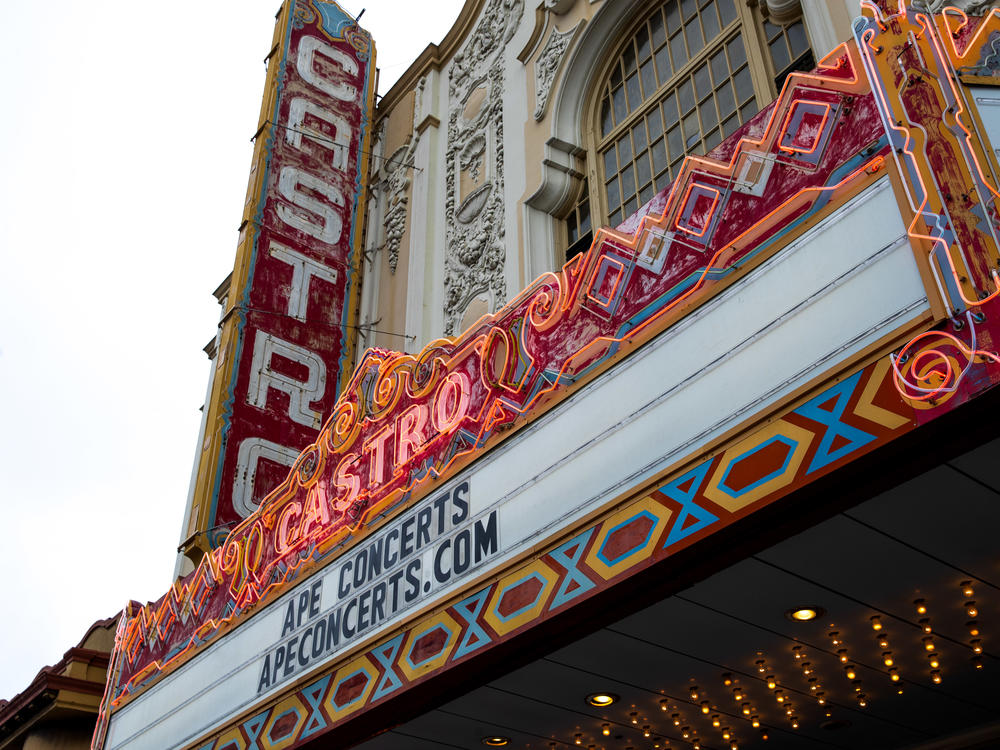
(297, 128)
(303, 269)
(300, 394)
(305, 63)
(329, 225)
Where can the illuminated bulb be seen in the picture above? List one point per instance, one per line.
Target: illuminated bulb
(820, 699)
(925, 623)
(834, 637)
(806, 668)
(738, 694)
(795, 723)
(606, 730)
(760, 666)
(755, 722)
(876, 623)
(694, 692)
(635, 717)
(883, 643)
(733, 745)
(842, 653)
(813, 684)
(971, 610)
(894, 675)
(967, 590)
(685, 732)
(928, 643)
(977, 662)
(645, 731)
(771, 682)
(789, 711)
(921, 606)
(935, 677)
(578, 738)
(779, 697)
(851, 674)
(727, 679)
(797, 652)
(764, 736)
(973, 627)
(716, 722)
(695, 745)
(862, 701)
(887, 658)
(933, 660)
(677, 719)
(746, 709)
(857, 686)
(705, 708)
(725, 734)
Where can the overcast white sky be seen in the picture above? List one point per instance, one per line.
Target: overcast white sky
(124, 153)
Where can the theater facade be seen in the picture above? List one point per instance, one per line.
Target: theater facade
(661, 408)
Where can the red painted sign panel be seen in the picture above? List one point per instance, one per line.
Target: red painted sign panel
(295, 284)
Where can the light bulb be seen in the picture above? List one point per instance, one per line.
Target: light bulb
(977, 646)
(645, 731)
(935, 677)
(928, 643)
(725, 734)
(971, 610)
(746, 709)
(894, 675)
(925, 623)
(921, 606)
(851, 674)
(716, 722)
(771, 683)
(934, 661)
(754, 722)
(606, 730)
(876, 623)
(705, 708)
(887, 659)
(967, 590)
(973, 627)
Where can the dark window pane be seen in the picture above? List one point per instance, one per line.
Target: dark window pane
(713, 139)
(628, 181)
(691, 128)
(702, 82)
(628, 58)
(648, 79)
(618, 97)
(675, 166)
(692, 143)
(779, 54)
(656, 26)
(584, 217)
(720, 70)
(797, 38)
(610, 165)
(675, 142)
(709, 119)
(624, 149)
(710, 20)
(659, 152)
(614, 197)
(730, 125)
(607, 122)
(655, 124)
(693, 31)
(639, 137)
(771, 31)
(744, 86)
(727, 10)
(673, 17)
(687, 8)
(677, 50)
(685, 95)
(646, 193)
(748, 110)
(725, 97)
(669, 111)
(616, 76)
(642, 170)
(634, 94)
(737, 54)
(571, 228)
(642, 43)
(630, 207)
(663, 68)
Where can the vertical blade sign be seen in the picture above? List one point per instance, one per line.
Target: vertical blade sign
(288, 332)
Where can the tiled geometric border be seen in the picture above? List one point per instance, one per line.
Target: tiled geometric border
(818, 436)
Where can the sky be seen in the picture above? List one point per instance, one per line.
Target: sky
(124, 155)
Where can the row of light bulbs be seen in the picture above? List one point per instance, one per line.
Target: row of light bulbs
(748, 711)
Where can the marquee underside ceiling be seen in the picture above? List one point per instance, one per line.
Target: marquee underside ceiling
(923, 539)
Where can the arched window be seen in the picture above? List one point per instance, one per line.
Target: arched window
(688, 75)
